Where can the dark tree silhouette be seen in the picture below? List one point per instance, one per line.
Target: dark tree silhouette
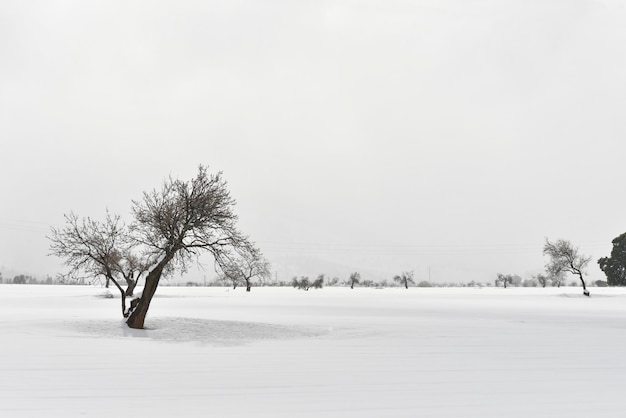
(355, 278)
(405, 278)
(177, 223)
(319, 282)
(302, 283)
(614, 267)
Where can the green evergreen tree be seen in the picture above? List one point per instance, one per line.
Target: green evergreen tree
(615, 266)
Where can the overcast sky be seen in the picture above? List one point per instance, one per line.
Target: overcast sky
(371, 136)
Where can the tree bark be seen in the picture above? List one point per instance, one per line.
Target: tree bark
(110, 277)
(248, 285)
(131, 286)
(585, 291)
(138, 316)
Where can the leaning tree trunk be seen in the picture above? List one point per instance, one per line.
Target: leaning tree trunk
(138, 316)
(585, 291)
(248, 285)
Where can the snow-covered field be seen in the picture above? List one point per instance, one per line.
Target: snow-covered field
(335, 352)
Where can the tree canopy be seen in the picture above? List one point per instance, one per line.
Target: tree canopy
(614, 267)
(93, 249)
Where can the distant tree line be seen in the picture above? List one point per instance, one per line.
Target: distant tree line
(564, 259)
(28, 279)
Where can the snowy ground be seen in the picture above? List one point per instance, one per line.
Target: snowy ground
(279, 352)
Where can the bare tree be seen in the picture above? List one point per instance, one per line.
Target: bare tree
(305, 284)
(542, 279)
(172, 227)
(355, 278)
(230, 275)
(565, 258)
(93, 249)
(405, 278)
(177, 223)
(246, 263)
(302, 283)
(504, 279)
(556, 277)
(319, 282)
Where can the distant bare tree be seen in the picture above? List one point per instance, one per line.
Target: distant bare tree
(557, 278)
(22, 279)
(405, 278)
(230, 276)
(302, 283)
(565, 258)
(319, 282)
(504, 279)
(542, 279)
(247, 262)
(355, 278)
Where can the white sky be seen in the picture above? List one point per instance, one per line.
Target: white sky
(372, 136)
